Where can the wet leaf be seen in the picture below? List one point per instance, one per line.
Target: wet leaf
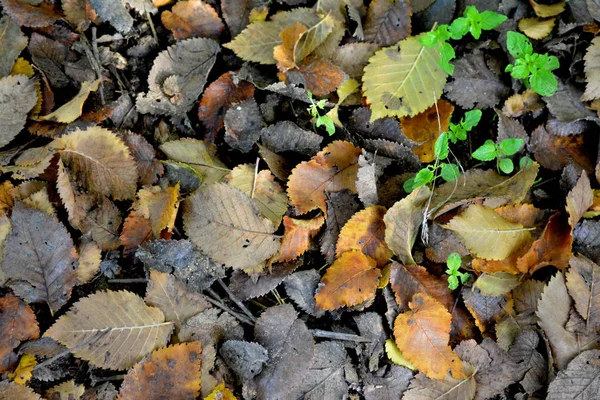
(387, 22)
(17, 324)
(422, 335)
(177, 77)
(173, 372)
(225, 224)
(333, 169)
(297, 235)
(104, 319)
(193, 18)
(350, 280)
(17, 98)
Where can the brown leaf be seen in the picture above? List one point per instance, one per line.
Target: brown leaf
(12, 42)
(193, 18)
(39, 258)
(158, 205)
(579, 199)
(49, 56)
(442, 243)
(486, 310)
(148, 167)
(12, 390)
(243, 123)
(422, 335)
(350, 280)
(284, 53)
(136, 231)
(424, 129)
(17, 324)
(171, 372)
(79, 13)
(102, 223)
(340, 208)
(583, 282)
(388, 21)
(101, 161)
(318, 76)
(297, 235)
(519, 104)
(365, 231)
(217, 98)
(172, 297)
(30, 15)
(555, 152)
(409, 280)
(422, 387)
(333, 169)
(225, 224)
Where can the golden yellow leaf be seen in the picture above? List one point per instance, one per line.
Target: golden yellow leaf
(284, 53)
(547, 10)
(72, 110)
(296, 238)
(197, 155)
(536, 28)
(220, 393)
(23, 373)
(395, 355)
(90, 257)
(159, 205)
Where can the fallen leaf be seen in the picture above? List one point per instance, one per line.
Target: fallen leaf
(248, 287)
(12, 390)
(193, 18)
(243, 123)
(72, 110)
(17, 98)
(33, 14)
(555, 152)
(402, 223)
(365, 232)
(177, 77)
(422, 335)
(582, 280)
(284, 53)
(115, 13)
(521, 103)
(23, 373)
(579, 199)
(566, 104)
(387, 22)
(158, 205)
(333, 169)
(592, 71)
(442, 243)
(287, 136)
(496, 284)
(462, 388)
(340, 208)
(90, 257)
(579, 379)
(102, 223)
(297, 235)
(486, 234)
(79, 13)
(547, 10)
(49, 56)
(148, 167)
(409, 280)
(524, 351)
(244, 358)
(225, 224)
(172, 372)
(17, 324)
(424, 128)
(486, 310)
(105, 319)
(586, 237)
(221, 393)
(200, 157)
(353, 57)
(12, 43)
(350, 280)
(536, 28)
(39, 258)
(315, 75)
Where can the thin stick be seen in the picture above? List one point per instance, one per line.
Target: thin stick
(152, 26)
(255, 175)
(214, 299)
(339, 336)
(236, 301)
(97, 57)
(130, 280)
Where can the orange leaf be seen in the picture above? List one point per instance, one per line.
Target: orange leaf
(17, 324)
(193, 18)
(365, 231)
(409, 280)
(318, 76)
(297, 236)
(284, 53)
(172, 372)
(217, 98)
(159, 206)
(350, 280)
(555, 152)
(424, 128)
(333, 169)
(422, 336)
(136, 230)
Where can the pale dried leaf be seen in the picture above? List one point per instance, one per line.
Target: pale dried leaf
(197, 155)
(592, 71)
(12, 42)
(115, 13)
(580, 379)
(17, 97)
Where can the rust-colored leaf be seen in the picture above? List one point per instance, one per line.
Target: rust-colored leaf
(217, 98)
(318, 76)
(365, 231)
(30, 15)
(17, 324)
(424, 129)
(408, 280)
(193, 18)
(172, 372)
(284, 53)
(332, 170)
(136, 230)
(350, 280)
(296, 238)
(555, 152)
(422, 335)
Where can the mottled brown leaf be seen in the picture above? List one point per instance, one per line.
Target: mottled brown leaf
(17, 324)
(193, 18)
(388, 21)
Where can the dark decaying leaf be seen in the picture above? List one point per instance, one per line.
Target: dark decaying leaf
(287, 136)
(246, 359)
(463, 388)
(524, 351)
(580, 380)
(326, 375)
(586, 239)
(301, 287)
(510, 128)
(384, 128)
(237, 14)
(148, 167)
(33, 14)
(245, 288)
(39, 258)
(178, 76)
(442, 243)
(17, 324)
(558, 128)
(387, 21)
(115, 13)
(389, 386)
(566, 105)
(243, 123)
(485, 309)
(555, 152)
(49, 55)
(475, 85)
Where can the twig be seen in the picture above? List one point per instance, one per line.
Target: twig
(97, 57)
(339, 336)
(237, 301)
(214, 299)
(255, 175)
(152, 26)
(130, 280)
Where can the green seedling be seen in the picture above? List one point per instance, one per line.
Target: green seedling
(472, 22)
(534, 69)
(447, 171)
(492, 151)
(318, 119)
(454, 275)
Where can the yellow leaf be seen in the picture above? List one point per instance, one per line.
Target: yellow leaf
(159, 205)
(22, 373)
(348, 87)
(220, 393)
(547, 10)
(395, 355)
(536, 28)
(197, 155)
(72, 110)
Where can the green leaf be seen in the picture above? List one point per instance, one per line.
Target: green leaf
(487, 151)
(440, 148)
(450, 172)
(525, 162)
(475, 30)
(327, 122)
(490, 20)
(430, 39)
(518, 45)
(423, 177)
(519, 72)
(402, 79)
(510, 146)
(506, 165)
(459, 28)
(452, 282)
(472, 13)
(544, 82)
(447, 52)
(408, 185)
(454, 262)
(464, 277)
(471, 119)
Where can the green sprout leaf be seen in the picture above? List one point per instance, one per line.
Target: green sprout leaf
(471, 119)
(490, 20)
(453, 262)
(452, 282)
(525, 162)
(327, 122)
(440, 148)
(408, 185)
(518, 45)
(506, 165)
(544, 82)
(487, 151)
(511, 146)
(423, 177)
(459, 28)
(449, 172)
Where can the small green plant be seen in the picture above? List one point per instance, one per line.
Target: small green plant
(447, 171)
(535, 69)
(473, 21)
(492, 151)
(454, 262)
(317, 118)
